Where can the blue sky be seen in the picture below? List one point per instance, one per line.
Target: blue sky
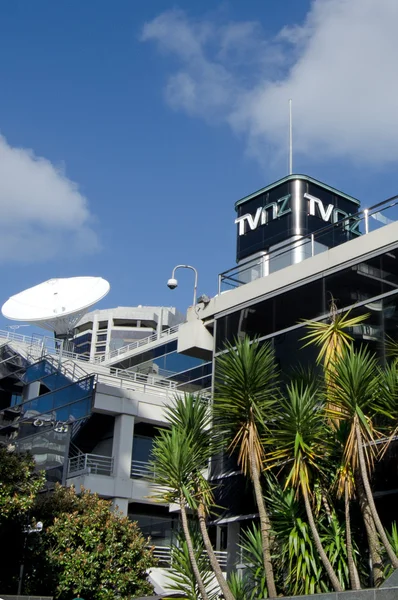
(131, 128)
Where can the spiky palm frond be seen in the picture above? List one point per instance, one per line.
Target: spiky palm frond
(332, 337)
(175, 458)
(393, 539)
(392, 348)
(341, 473)
(190, 419)
(252, 558)
(355, 397)
(307, 376)
(333, 540)
(181, 577)
(241, 586)
(192, 414)
(299, 436)
(387, 405)
(298, 560)
(244, 394)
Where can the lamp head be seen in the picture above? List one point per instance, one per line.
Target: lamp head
(172, 283)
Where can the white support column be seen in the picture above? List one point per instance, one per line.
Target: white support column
(31, 391)
(94, 337)
(122, 448)
(233, 545)
(121, 504)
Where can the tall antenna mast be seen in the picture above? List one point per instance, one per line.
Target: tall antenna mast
(290, 138)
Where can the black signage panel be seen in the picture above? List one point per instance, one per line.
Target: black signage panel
(294, 206)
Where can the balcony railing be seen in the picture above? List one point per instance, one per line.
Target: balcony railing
(94, 464)
(138, 344)
(141, 470)
(305, 246)
(164, 556)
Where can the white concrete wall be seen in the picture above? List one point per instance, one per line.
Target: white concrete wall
(111, 487)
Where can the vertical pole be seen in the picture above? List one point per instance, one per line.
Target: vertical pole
(366, 213)
(195, 288)
(290, 139)
(22, 565)
(160, 324)
(61, 347)
(21, 569)
(312, 245)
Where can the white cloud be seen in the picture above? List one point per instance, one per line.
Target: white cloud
(43, 214)
(339, 67)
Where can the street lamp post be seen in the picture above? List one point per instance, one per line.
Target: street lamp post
(173, 283)
(27, 531)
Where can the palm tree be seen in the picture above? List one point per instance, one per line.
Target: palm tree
(174, 460)
(299, 442)
(357, 397)
(332, 337)
(345, 488)
(245, 390)
(297, 563)
(181, 576)
(190, 415)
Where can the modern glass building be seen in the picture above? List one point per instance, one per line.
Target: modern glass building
(90, 417)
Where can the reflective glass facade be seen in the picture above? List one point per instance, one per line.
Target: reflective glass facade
(192, 373)
(47, 421)
(122, 337)
(371, 286)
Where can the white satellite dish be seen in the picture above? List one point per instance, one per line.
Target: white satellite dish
(57, 304)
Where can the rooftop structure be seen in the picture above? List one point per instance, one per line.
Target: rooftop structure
(102, 333)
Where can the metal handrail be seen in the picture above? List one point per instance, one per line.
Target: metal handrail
(159, 386)
(139, 343)
(362, 215)
(222, 557)
(95, 464)
(141, 469)
(39, 347)
(164, 556)
(147, 378)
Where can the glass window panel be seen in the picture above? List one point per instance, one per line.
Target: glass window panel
(142, 448)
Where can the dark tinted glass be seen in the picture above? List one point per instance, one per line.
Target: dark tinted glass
(358, 283)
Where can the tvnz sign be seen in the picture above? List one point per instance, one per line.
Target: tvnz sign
(293, 206)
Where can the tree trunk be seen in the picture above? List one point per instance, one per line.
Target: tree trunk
(191, 551)
(212, 557)
(364, 474)
(373, 540)
(354, 577)
(318, 544)
(265, 528)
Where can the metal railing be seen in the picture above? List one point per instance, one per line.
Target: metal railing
(68, 368)
(308, 245)
(139, 343)
(151, 384)
(141, 470)
(37, 347)
(94, 464)
(164, 556)
(222, 557)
